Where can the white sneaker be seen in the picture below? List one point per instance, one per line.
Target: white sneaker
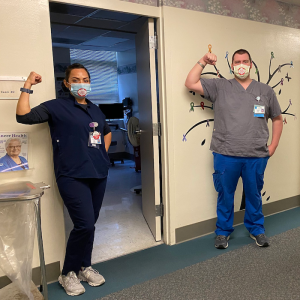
(71, 284)
(92, 276)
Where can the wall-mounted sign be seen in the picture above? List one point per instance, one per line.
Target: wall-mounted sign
(13, 151)
(10, 87)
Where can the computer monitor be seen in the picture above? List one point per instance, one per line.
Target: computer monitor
(112, 111)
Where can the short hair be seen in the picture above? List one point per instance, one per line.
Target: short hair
(241, 51)
(68, 71)
(12, 139)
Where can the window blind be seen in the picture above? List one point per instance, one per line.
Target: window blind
(102, 66)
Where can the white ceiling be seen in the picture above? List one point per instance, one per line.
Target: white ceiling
(93, 29)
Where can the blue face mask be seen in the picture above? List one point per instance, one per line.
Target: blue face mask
(80, 90)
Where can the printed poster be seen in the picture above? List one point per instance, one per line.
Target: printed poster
(13, 151)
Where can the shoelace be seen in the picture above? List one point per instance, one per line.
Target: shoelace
(72, 279)
(92, 270)
(221, 237)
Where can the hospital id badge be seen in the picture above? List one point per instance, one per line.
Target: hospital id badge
(94, 139)
(259, 111)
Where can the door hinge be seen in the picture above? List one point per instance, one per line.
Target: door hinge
(153, 42)
(157, 129)
(159, 210)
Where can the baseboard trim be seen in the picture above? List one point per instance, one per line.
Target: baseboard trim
(202, 228)
(52, 271)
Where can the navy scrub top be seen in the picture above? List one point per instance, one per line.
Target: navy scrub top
(69, 127)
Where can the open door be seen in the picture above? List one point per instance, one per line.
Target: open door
(149, 138)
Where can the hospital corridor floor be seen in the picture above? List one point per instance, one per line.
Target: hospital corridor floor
(196, 270)
(121, 227)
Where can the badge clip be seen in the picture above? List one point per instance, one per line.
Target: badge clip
(95, 136)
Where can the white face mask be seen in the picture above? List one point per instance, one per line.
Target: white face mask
(241, 71)
(80, 90)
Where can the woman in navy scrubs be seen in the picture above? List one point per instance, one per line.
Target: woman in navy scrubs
(80, 138)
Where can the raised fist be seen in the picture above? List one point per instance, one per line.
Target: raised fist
(34, 78)
(210, 58)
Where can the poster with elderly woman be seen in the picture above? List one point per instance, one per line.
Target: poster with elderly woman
(13, 151)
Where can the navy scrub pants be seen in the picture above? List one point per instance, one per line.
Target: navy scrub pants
(228, 170)
(83, 198)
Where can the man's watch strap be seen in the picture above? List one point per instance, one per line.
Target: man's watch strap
(26, 90)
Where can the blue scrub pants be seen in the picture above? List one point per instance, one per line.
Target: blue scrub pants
(228, 170)
(83, 199)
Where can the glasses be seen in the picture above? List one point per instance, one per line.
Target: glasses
(17, 147)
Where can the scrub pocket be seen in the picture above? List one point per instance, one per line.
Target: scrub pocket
(260, 172)
(217, 177)
(259, 181)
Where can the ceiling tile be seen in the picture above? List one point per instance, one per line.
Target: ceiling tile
(56, 29)
(103, 41)
(93, 48)
(66, 41)
(70, 9)
(130, 44)
(112, 15)
(102, 24)
(122, 35)
(122, 49)
(71, 30)
(63, 19)
(80, 33)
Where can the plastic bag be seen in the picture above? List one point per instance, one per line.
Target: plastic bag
(17, 232)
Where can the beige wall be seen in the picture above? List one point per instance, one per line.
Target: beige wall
(187, 35)
(25, 28)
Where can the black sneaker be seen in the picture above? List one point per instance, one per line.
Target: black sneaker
(221, 241)
(261, 240)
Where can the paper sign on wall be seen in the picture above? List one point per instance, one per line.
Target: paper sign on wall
(10, 87)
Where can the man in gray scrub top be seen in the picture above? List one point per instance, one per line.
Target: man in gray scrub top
(242, 108)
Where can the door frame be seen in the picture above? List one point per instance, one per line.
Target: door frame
(155, 13)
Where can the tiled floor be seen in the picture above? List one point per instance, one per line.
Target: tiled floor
(121, 227)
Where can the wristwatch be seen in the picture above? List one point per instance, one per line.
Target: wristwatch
(26, 90)
(201, 64)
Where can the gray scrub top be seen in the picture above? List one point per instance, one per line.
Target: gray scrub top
(236, 131)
